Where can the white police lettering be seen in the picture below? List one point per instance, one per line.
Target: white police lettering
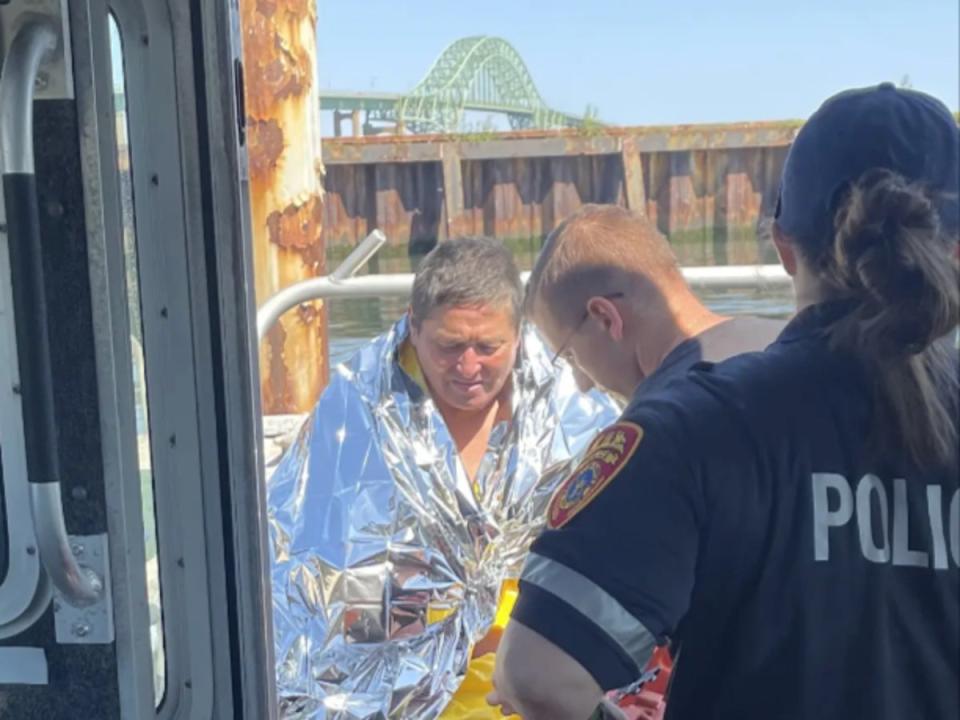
(902, 554)
(836, 503)
(823, 517)
(935, 511)
(870, 484)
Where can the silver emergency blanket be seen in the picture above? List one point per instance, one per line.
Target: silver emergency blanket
(387, 561)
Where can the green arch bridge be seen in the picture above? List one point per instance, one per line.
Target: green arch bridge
(479, 73)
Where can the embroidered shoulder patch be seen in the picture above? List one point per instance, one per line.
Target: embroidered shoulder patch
(605, 458)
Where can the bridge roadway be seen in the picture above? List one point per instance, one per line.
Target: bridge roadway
(477, 73)
(382, 107)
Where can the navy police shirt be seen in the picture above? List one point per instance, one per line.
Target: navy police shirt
(739, 513)
(731, 337)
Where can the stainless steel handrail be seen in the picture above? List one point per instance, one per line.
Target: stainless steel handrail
(729, 277)
(36, 40)
(359, 256)
(79, 585)
(340, 282)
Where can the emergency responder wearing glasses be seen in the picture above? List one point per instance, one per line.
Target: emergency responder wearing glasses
(790, 519)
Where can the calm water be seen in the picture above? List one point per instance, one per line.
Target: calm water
(354, 322)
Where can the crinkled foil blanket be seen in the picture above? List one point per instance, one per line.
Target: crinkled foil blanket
(386, 560)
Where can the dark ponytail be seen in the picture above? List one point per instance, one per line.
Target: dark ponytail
(891, 256)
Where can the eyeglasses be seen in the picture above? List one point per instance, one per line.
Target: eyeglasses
(586, 313)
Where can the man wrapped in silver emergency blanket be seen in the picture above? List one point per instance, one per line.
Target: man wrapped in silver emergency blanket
(388, 559)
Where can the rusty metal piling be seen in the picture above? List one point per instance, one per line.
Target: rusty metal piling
(286, 192)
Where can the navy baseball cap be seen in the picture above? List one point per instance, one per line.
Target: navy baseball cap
(905, 131)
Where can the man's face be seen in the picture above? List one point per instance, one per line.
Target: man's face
(467, 353)
(590, 351)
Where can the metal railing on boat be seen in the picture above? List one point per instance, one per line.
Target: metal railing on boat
(342, 283)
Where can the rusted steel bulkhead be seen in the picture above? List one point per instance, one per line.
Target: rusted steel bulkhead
(286, 192)
(701, 185)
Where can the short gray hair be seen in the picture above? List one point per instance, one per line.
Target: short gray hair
(467, 271)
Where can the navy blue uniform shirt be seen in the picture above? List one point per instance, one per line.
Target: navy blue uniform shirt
(739, 512)
(735, 336)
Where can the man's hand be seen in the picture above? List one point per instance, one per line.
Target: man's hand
(494, 699)
(607, 710)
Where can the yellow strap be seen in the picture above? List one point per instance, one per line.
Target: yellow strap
(508, 598)
(407, 357)
(470, 702)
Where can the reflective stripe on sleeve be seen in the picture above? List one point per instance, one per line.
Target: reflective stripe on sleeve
(594, 603)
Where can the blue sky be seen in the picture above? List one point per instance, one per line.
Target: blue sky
(644, 62)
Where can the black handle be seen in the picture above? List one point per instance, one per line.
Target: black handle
(30, 319)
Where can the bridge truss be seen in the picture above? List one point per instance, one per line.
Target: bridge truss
(479, 73)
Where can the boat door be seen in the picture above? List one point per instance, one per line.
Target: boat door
(131, 532)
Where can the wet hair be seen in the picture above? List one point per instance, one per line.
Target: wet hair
(470, 271)
(891, 256)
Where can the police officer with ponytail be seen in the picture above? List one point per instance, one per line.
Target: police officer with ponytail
(788, 521)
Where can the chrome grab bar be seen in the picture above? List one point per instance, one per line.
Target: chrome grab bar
(79, 585)
(341, 283)
(36, 40)
(359, 256)
(338, 283)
